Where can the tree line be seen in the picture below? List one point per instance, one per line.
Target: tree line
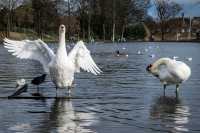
(87, 19)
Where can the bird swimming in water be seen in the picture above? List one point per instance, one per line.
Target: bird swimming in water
(170, 72)
(189, 59)
(139, 52)
(37, 81)
(152, 55)
(121, 54)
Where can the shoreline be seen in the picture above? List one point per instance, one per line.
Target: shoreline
(110, 42)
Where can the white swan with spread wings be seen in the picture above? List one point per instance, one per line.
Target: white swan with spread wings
(61, 66)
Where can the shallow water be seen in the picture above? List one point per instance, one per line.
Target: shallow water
(125, 98)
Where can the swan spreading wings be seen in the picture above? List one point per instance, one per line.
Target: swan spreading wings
(61, 66)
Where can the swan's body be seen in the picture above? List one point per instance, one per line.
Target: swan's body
(170, 72)
(61, 66)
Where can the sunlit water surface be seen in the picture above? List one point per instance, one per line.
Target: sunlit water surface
(124, 99)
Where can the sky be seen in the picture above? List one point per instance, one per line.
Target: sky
(190, 8)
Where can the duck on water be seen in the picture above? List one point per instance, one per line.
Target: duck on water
(37, 81)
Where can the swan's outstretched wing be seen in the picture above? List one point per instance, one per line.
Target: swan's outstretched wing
(81, 57)
(35, 50)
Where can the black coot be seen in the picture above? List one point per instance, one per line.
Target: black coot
(37, 81)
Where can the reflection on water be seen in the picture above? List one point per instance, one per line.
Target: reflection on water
(20, 127)
(170, 109)
(68, 120)
(53, 116)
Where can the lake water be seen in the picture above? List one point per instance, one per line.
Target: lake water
(124, 99)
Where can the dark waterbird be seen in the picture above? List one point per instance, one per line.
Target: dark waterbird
(37, 81)
(120, 54)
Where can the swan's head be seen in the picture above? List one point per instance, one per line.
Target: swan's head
(152, 70)
(157, 65)
(148, 68)
(62, 29)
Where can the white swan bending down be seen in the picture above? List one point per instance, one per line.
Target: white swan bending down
(61, 66)
(170, 72)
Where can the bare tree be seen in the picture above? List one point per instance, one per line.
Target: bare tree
(10, 5)
(42, 10)
(113, 19)
(165, 10)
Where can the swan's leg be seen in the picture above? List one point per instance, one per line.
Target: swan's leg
(38, 91)
(177, 90)
(73, 84)
(164, 87)
(56, 91)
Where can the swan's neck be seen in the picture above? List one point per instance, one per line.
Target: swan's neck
(156, 66)
(163, 61)
(62, 48)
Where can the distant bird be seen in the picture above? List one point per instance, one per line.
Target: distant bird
(21, 87)
(117, 52)
(170, 72)
(139, 52)
(61, 66)
(124, 48)
(152, 55)
(175, 57)
(38, 80)
(121, 54)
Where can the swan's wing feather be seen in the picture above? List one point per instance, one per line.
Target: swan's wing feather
(82, 59)
(35, 50)
(180, 70)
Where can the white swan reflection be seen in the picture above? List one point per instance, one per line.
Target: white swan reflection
(70, 121)
(181, 118)
(172, 113)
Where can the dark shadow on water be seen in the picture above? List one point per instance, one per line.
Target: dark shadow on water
(170, 113)
(164, 104)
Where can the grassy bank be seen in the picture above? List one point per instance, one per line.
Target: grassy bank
(54, 38)
(30, 36)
